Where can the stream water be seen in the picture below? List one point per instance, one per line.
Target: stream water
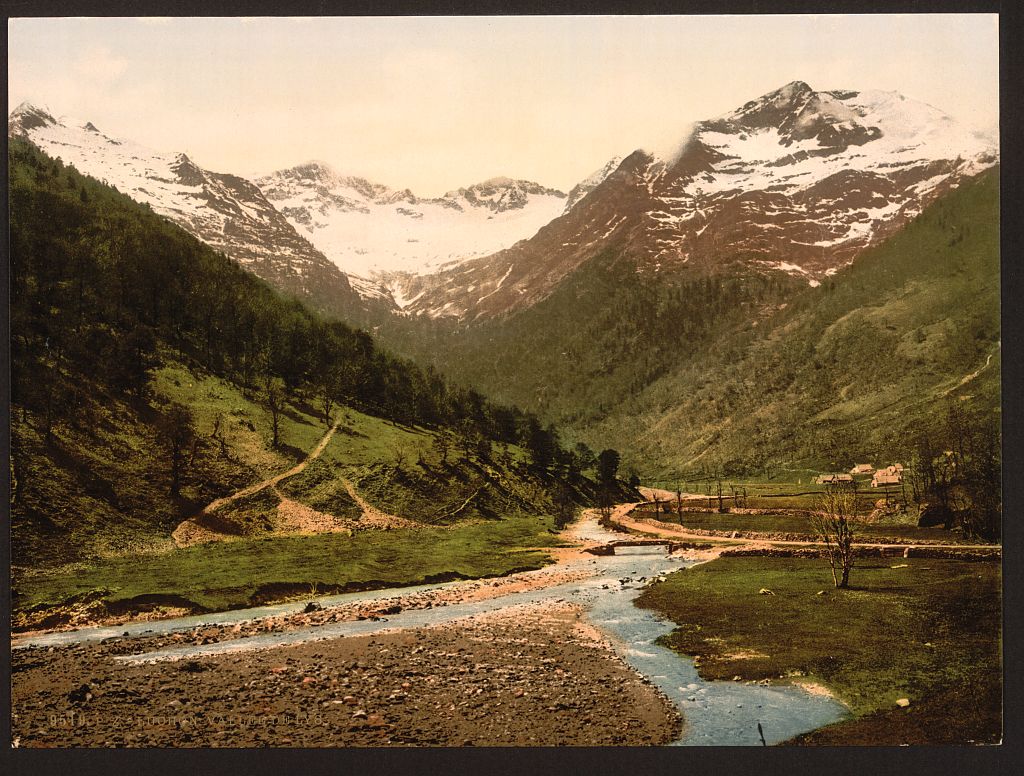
(716, 713)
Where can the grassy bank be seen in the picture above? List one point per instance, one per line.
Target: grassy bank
(928, 631)
(234, 574)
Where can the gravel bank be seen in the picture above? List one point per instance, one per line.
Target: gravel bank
(518, 677)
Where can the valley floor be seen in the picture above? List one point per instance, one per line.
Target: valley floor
(536, 674)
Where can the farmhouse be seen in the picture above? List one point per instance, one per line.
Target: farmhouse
(890, 475)
(863, 468)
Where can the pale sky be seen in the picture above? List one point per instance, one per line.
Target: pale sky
(435, 103)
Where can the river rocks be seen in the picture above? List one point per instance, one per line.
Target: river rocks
(528, 676)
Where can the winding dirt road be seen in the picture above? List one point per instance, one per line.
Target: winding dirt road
(651, 526)
(191, 531)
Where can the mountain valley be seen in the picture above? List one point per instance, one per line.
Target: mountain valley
(512, 381)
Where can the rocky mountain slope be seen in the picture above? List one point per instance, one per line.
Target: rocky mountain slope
(373, 231)
(348, 245)
(856, 369)
(225, 211)
(798, 181)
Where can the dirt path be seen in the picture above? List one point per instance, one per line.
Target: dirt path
(295, 517)
(670, 495)
(650, 526)
(191, 531)
(375, 518)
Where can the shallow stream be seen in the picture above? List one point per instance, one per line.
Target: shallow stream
(716, 713)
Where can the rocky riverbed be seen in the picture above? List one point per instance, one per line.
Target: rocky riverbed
(521, 676)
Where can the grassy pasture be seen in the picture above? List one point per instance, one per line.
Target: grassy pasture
(922, 629)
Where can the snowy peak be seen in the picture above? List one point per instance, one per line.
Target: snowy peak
(834, 120)
(349, 190)
(797, 181)
(373, 231)
(225, 211)
(772, 109)
(591, 182)
(186, 172)
(27, 117)
(501, 194)
(797, 113)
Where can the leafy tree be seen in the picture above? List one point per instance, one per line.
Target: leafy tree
(607, 465)
(177, 432)
(564, 506)
(541, 445)
(135, 360)
(957, 469)
(443, 444)
(583, 456)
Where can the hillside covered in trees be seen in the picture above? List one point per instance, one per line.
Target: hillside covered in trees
(152, 375)
(860, 368)
(606, 333)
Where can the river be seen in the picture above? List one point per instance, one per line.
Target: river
(716, 713)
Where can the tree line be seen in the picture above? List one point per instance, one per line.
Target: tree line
(103, 286)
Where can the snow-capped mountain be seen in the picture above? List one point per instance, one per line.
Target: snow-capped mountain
(797, 181)
(373, 231)
(591, 182)
(225, 211)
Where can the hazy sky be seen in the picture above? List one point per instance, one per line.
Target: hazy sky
(436, 103)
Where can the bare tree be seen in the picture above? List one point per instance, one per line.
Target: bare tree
(218, 435)
(401, 456)
(837, 507)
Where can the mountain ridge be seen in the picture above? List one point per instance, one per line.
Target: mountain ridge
(227, 212)
(376, 232)
(796, 181)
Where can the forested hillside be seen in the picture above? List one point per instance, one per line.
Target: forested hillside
(751, 372)
(856, 370)
(606, 333)
(152, 375)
